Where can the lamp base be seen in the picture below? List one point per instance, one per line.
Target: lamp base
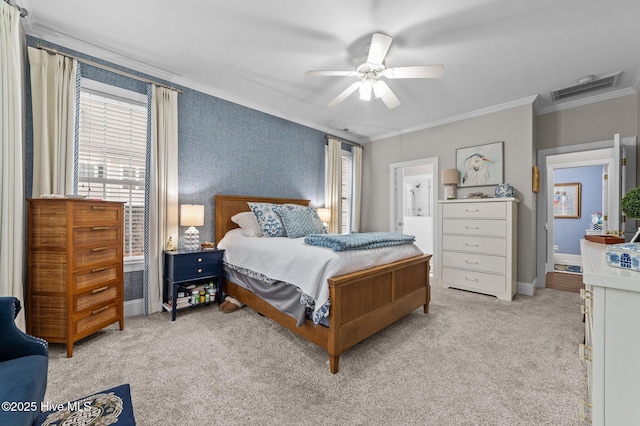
(449, 192)
(191, 239)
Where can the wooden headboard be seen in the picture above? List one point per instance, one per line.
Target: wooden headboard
(229, 205)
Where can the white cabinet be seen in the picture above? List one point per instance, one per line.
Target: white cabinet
(612, 339)
(478, 245)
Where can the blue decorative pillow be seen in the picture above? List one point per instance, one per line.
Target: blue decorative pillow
(103, 408)
(300, 221)
(268, 220)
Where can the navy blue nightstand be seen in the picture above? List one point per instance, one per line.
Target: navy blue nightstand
(183, 269)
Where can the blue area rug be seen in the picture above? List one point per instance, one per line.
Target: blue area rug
(103, 408)
(573, 269)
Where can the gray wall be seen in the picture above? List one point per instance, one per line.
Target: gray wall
(513, 126)
(588, 123)
(523, 132)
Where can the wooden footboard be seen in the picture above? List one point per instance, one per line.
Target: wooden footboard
(365, 302)
(362, 303)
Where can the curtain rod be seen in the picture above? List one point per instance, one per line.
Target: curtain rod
(23, 12)
(108, 68)
(343, 141)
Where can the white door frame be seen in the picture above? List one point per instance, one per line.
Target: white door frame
(395, 183)
(544, 239)
(600, 157)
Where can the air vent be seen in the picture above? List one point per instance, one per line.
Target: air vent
(604, 82)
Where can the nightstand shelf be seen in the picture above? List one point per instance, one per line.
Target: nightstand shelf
(185, 271)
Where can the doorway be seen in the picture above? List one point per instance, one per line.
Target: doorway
(413, 201)
(605, 156)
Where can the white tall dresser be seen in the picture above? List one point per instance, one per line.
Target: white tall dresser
(612, 339)
(478, 245)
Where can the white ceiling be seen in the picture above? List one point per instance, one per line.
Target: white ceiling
(496, 53)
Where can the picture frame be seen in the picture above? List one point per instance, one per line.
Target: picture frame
(535, 180)
(481, 165)
(567, 200)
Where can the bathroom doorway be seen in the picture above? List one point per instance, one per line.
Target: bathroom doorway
(413, 199)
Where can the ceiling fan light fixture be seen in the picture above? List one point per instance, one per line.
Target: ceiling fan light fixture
(365, 90)
(374, 66)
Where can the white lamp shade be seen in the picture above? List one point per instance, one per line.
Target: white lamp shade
(324, 214)
(191, 215)
(449, 176)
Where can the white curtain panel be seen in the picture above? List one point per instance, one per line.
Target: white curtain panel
(11, 158)
(53, 92)
(163, 191)
(333, 184)
(357, 188)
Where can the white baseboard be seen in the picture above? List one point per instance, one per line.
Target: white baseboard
(133, 308)
(526, 289)
(567, 259)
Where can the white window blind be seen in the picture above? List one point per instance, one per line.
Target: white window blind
(347, 191)
(111, 157)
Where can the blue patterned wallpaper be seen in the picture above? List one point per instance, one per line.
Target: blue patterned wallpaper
(224, 148)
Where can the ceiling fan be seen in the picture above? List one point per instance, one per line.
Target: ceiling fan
(372, 69)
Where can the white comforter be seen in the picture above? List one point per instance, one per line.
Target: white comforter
(308, 267)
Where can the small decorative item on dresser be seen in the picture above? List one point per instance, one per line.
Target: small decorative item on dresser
(625, 256)
(504, 190)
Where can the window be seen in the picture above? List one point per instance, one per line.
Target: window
(347, 191)
(112, 143)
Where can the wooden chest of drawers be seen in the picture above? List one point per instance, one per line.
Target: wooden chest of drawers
(74, 270)
(478, 245)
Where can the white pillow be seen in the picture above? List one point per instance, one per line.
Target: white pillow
(248, 223)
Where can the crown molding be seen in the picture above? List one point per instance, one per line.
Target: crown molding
(87, 49)
(477, 113)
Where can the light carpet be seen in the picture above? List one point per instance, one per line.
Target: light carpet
(473, 360)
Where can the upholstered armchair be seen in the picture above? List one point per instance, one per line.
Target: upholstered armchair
(24, 361)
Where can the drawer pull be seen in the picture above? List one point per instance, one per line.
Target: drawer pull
(94, 270)
(471, 245)
(199, 271)
(586, 294)
(475, 280)
(470, 262)
(97, 249)
(99, 228)
(472, 210)
(585, 410)
(585, 352)
(100, 290)
(471, 227)
(98, 208)
(97, 311)
(199, 260)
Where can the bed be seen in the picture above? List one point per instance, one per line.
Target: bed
(362, 302)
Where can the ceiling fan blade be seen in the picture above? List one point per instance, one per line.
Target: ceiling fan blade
(345, 94)
(379, 46)
(321, 73)
(382, 91)
(420, 71)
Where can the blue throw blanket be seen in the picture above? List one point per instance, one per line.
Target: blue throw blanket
(358, 241)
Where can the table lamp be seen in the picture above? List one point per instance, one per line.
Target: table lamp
(191, 215)
(449, 178)
(324, 214)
